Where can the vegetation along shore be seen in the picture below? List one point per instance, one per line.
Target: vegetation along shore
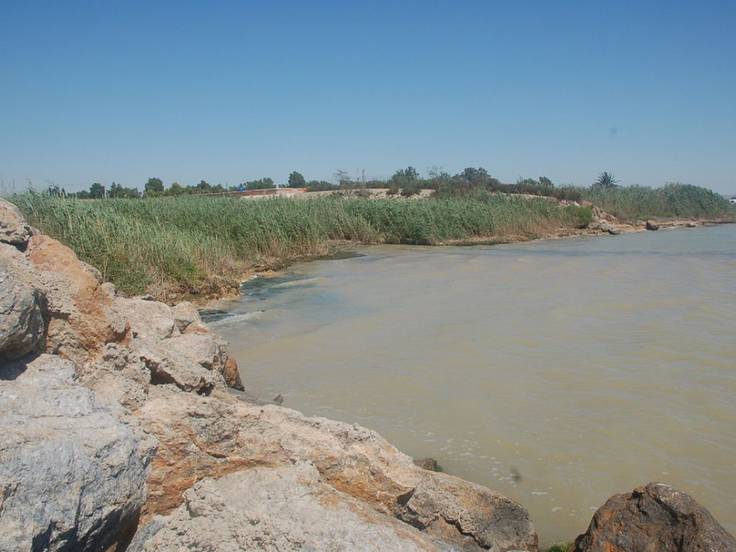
(202, 246)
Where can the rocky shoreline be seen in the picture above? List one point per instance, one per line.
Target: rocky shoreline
(120, 433)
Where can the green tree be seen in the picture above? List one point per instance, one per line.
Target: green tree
(262, 184)
(55, 191)
(407, 180)
(203, 187)
(175, 189)
(154, 186)
(606, 180)
(296, 180)
(319, 185)
(96, 191)
(409, 174)
(546, 182)
(118, 191)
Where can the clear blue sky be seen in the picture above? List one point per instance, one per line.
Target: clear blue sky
(233, 90)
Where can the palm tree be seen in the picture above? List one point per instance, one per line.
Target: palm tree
(606, 180)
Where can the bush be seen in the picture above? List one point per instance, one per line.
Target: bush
(582, 216)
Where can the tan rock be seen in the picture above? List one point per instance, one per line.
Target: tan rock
(81, 316)
(118, 376)
(185, 314)
(276, 509)
(169, 365)
(212, 436)
(149, 319)
(201, 348)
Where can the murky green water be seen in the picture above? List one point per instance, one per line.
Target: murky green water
(586, 367)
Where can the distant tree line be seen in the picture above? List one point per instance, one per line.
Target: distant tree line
(406, 182)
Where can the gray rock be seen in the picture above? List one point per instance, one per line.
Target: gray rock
(276, 509)
(654, 517)
(72, 475)
(167, 365)
(605, 226)
(489, 519)
(148, 318)
(118, 376)
(201, 348)
(185, 314)
(13, 227)
(22, 324)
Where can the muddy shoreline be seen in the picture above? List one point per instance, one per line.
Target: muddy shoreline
(337, 249)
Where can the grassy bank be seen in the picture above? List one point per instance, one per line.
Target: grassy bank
(634, 203)
(175, 246)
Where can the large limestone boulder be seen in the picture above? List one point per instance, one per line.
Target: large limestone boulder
(82, 319)
(212, 436)
(447, 507)
(185, 314)
(277, 509)
(176, 346)
(22, 325)
(170, 365)
(148, 319)
(13, 227)
(51, 301)
(654, 517)
(72, 474)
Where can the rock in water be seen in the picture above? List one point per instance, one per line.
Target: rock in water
(429, 464)
(652, 225)
(285, 508)
(72, 475)
(654, 517)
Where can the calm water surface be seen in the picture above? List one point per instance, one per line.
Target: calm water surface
(558, 373)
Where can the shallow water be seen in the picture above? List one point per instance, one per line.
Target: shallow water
(557, 372)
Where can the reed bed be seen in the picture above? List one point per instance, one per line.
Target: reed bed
(634, 203)
(199, 245)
